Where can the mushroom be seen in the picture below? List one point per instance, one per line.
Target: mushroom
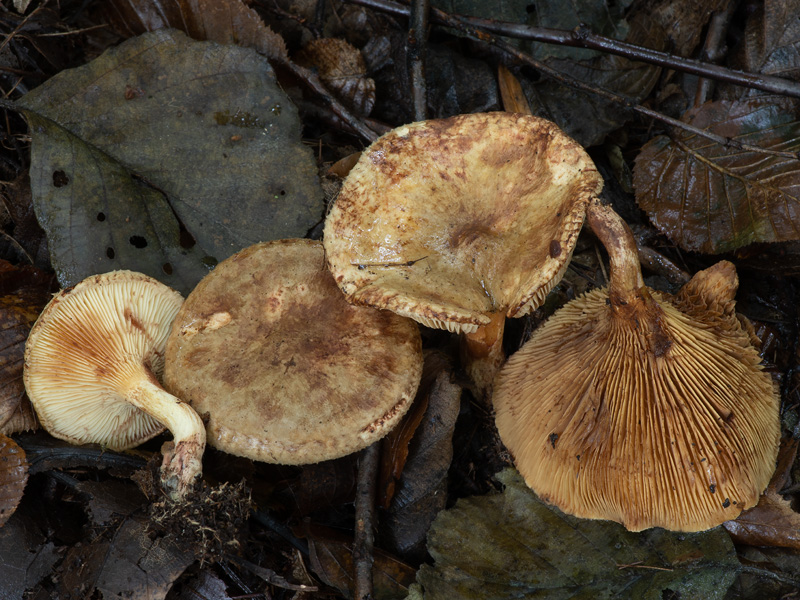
(92, 363)
(284, 369)
(641, 407)
(459, 223)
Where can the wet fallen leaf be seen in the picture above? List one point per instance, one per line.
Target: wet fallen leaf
(511, 545)
(420, 491)
(331, 559)
(770, 43)
(713, 199)
(165, 155)
(13, 477)
(773, 521)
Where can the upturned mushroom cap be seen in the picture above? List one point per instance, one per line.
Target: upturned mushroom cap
(284, 369)
(451, 221)
(649, 410)
(86, 347)
(91, 366)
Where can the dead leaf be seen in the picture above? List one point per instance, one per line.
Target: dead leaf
(421, 488)
(130, 565)
(331, 558)
(206, 586)
(201, 158)
(341, 67)
(512, 545)
(26, 555)
(770, 43)
(13, 477)
(221, 21)
(24, 290)
(514, 99)
(713, 199)
(773, 521)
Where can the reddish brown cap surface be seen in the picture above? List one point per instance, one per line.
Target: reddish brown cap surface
(653, 412)
(449, 221)
(284, 368)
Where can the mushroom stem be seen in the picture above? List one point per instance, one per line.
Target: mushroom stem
(616, 236)
(182, 464)
(482, 352)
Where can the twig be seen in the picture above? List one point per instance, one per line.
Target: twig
(365, 517)
(481, 35)
(417, 36)
(582, 37)
(713, 49)
(46, 455)
(316, 86)
(270, 576)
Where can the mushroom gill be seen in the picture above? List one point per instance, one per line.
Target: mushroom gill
(643, 408)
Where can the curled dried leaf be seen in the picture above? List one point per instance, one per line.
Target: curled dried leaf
(341, 67)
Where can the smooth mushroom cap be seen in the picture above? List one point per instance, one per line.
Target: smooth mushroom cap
(88, 346)
(285, 370)
(655, 413)
(450, 221)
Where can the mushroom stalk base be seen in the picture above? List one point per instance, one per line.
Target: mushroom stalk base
(482, 353)
(182, 464)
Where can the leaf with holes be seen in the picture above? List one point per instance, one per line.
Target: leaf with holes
(165, 155)
(714, 199)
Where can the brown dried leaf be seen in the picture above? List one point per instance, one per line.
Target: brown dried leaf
(341, 67)
(513, 97)
(23, 293)
(332, 561)
(222, 21)
(714, 199)
(13, 477)
(421, 490)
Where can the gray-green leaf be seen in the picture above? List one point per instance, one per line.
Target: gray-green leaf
(512, 545)
(166, 155)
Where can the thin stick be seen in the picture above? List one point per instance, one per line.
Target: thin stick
(417, 36)
(713, 49)
(365, 517)
(582, 37)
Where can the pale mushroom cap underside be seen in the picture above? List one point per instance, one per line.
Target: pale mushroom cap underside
(84, 351)
(448, 221)
(675, 428)
(285, 370)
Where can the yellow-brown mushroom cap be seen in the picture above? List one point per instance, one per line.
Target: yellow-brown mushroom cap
(285, 370)
(86, 348)
(449, 221)
(655, 413)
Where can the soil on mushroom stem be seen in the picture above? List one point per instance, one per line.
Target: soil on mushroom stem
(211, 520)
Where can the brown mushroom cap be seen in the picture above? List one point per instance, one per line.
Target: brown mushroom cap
(87, 344)
(283, 367)
(451, 221)
(653, 411)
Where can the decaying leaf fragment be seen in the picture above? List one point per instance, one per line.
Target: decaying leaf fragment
(713, 199)
(341, 67)
(13, 477)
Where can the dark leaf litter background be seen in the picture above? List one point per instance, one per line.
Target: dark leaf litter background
(164, 135)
